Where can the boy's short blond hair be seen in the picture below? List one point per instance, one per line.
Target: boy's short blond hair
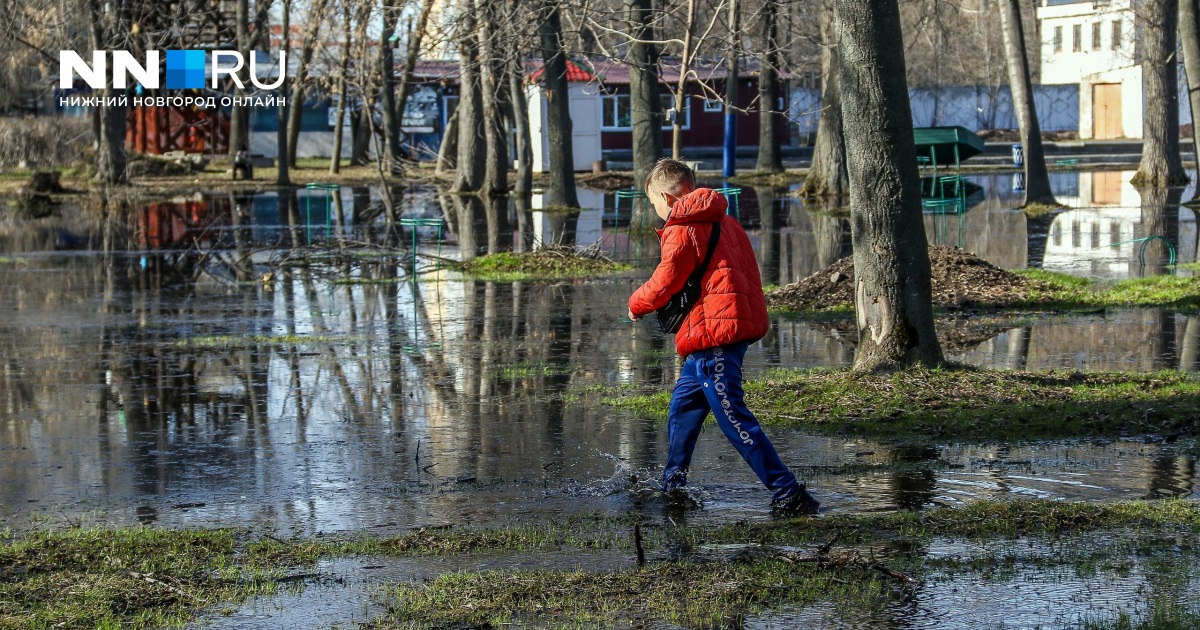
(670, 176)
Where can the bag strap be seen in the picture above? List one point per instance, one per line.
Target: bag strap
(713, 237)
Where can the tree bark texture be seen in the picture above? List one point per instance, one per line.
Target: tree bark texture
(281, 128)
(335, 160)
(520, 108)
(646, 108)
(109, 24)
(495, 178)
(680, 93)
(560, 188)
(1037, 180)
(387, 88)
(239, 116)
(770, 159)
(1189, 36)
(827, 176)
(1161, 163)
(893, 290)
(314, 20)
(472, 147)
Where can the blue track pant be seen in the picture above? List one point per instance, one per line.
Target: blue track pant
(712, 380)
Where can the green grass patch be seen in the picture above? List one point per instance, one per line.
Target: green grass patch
(1065, 292)
(966, 403)
(1036, 210)
(527, 369)
(543, 264)
(716, 588)
(227, 341)
(132, 578)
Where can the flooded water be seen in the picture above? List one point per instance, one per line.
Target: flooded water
(157, 369)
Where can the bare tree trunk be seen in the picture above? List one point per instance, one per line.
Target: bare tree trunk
(729, 150)
(360, 130)
(335, 160)
(769, 158)
(471, 142)
(416, 35)
(495, 178)
(282, 177)
(1189, 35)
(520, 108)
(239, 116)
(1161, 163)
(1037, 180)
(827, 175)
(685, 61)
(893, 292)
(106, 27)
(448, 148)
(560, 189)
(387, 90)
(645, 106)
(313, 21)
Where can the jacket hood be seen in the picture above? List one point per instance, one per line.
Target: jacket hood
(703, 205)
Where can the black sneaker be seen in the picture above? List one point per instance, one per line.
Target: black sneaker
(795, 504)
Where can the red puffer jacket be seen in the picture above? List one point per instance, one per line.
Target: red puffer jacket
(731, 307)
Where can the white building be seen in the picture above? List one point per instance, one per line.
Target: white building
(1095, 44)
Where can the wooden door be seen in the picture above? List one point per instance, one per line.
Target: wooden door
(1106, 111)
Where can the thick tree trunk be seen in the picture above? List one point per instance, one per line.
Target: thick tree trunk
(1037, 180)
(472, 148)
(495, 178)
(281, 128)
(1161, 163)
(893, 292)
(560, 188)
(360, 128)
(239, 117)
(387, 89)
(769, 158)
(645, 106)
(109, 118)
(314, 19)
(1189, 36)
(827, 176)
(520, 108)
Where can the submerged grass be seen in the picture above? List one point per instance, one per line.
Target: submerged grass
(543, 264)
(966, 403)
(698, 590)
(130, 578)
(141, 578)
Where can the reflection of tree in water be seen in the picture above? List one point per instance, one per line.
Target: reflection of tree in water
(769, 233)
(1159, 217)
(1171, 475)
(913, 488)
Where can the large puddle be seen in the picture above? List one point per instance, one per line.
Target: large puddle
(155, 372)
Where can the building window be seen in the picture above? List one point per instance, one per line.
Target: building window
(1096, 35)
(617, 112)
(1116, 40)
(713, 105)
(1077, 38)
(1057, 39)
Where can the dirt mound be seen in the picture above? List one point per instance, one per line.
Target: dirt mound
(960, 279)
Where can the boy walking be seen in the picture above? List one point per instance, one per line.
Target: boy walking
(730, 314)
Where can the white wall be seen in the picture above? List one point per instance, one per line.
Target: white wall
(585, 126)
(1067, 66)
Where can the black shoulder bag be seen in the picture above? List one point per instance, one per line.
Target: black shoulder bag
(671, 316)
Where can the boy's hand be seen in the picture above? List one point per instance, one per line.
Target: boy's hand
(632, 317)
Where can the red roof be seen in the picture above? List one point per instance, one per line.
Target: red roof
(574, 73)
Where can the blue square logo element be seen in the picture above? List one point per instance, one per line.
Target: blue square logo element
(185, 69)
